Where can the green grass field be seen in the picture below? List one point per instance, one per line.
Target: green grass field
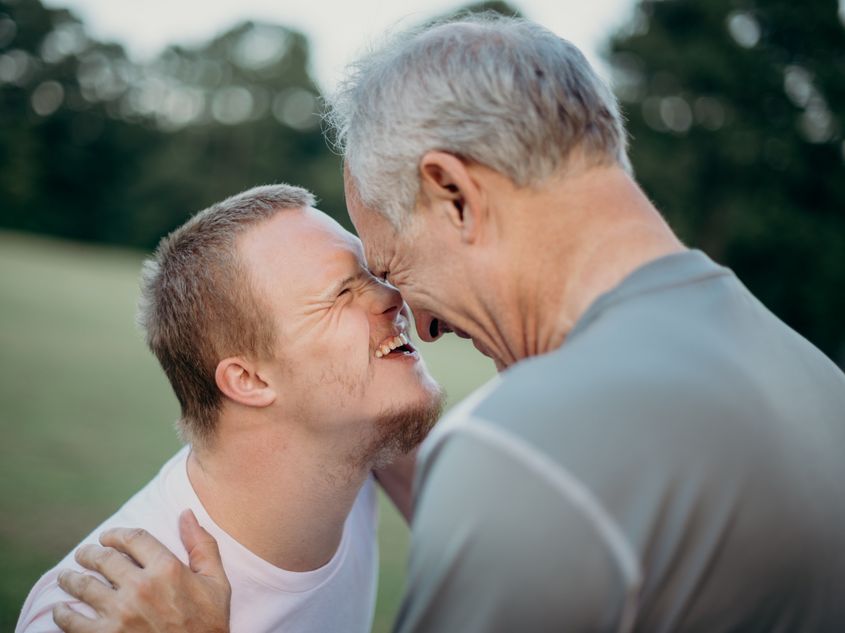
(86, 415)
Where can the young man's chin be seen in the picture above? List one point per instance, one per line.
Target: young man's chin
(399, 430)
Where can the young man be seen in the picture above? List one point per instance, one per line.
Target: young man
(296, 378)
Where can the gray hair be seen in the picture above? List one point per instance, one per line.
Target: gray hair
(502, 92)
(197, 306)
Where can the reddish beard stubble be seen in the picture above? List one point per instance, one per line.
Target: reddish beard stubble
(399, 430)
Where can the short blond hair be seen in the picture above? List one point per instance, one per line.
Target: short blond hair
(197, 305)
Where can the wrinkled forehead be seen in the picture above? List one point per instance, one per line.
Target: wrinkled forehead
(378, 235)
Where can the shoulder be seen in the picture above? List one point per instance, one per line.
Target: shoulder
(37, 612)
(501, 525)
(611, 398)
(477, 465)
(151, 508)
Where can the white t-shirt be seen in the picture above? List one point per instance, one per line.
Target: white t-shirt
(338, 597)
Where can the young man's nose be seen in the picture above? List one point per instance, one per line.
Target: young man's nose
(387, 301)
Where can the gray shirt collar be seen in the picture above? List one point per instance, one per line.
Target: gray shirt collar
(677, 269)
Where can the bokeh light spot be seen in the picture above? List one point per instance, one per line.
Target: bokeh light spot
(15, 67)
(181, 106)
(259, 47)
(676, 114)
(296, 108)
(232, 105)
(798, 85)
(66, 39)
(47, 97)
(744, 29)
(709, 113)
(8, 30)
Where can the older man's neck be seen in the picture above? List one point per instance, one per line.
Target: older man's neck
(593, 229)
(276, 496)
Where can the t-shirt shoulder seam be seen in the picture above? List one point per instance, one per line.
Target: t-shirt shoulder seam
(572, 489)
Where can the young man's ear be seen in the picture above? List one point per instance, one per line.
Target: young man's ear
(239, 380)
(447, 182)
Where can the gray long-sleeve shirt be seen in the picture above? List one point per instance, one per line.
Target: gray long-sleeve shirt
(677, 465)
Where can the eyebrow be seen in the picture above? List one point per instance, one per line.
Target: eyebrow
(343, 283)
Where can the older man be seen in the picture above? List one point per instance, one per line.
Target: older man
(661, 453)
(296, 377)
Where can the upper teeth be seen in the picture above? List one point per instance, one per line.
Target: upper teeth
(391, 344)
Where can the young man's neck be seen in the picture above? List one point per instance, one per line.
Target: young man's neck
(275, 495)
(593, 229)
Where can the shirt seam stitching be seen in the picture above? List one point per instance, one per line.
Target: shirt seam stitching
(576, 493)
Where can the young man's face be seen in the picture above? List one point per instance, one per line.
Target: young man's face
(345, 365)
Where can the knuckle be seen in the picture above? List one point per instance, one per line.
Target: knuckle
(63, 579)
(170, 567)
(100, 556)
(135, 534)
(85, 582)
(60, 615)
(142, 588)
(78, 585)
(83, 554)
(109, 534)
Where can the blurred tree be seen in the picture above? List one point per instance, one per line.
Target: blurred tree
(735, 110)
(63, 159)
(492, 6)
(96, 147)
(240, 110)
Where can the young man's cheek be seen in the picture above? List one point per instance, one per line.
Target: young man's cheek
(353, 336)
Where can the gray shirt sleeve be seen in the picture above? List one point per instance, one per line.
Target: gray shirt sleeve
(499, 547)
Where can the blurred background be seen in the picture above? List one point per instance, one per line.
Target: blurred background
(116, 126)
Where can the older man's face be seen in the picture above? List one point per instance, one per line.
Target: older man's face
(424, 265)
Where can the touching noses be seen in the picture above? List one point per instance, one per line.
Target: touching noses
(387, 301)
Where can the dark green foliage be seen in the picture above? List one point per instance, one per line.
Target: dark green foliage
(488, 6)
(129, 151)
(736, 111)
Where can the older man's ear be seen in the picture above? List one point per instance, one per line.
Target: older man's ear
(241, 380)
(457, 188)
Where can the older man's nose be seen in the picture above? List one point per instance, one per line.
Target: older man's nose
(429, 329)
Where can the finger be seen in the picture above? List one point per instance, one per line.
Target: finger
(136, 543)
(86, 588)
(70, 621)
(109, 562)
(203, 553)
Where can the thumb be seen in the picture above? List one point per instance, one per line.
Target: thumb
(203, 553)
